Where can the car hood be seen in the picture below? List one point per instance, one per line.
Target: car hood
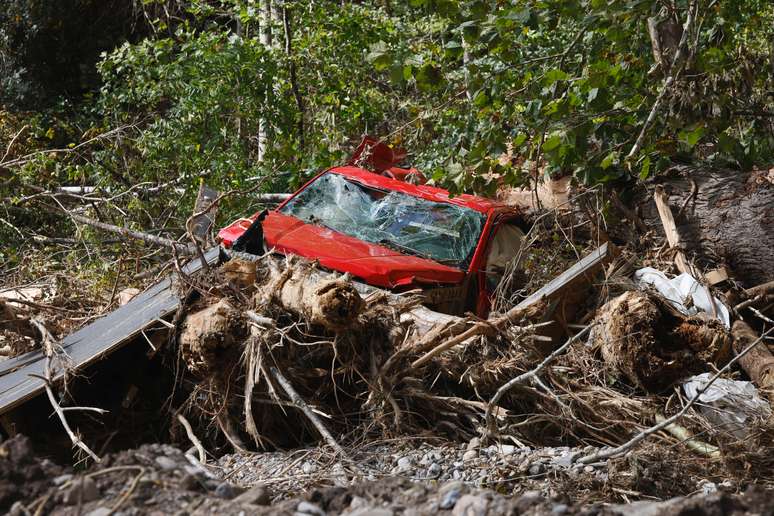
(376, 265)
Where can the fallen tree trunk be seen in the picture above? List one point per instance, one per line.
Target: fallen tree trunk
(722, 216)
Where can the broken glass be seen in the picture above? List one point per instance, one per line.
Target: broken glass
(443, 232)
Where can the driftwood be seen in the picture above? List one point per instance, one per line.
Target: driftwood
(728, 219)
(628, 446)
(759, 362)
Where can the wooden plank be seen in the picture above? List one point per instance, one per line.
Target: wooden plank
(94, 341)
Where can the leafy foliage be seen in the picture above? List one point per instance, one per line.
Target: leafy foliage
(480, 91)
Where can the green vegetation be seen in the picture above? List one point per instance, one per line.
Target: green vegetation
(219, 89)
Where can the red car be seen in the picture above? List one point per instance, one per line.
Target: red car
(390, 233)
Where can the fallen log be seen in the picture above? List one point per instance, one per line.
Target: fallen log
(759, 361)
(728, 217)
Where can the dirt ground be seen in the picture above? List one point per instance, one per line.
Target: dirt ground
(399, 478)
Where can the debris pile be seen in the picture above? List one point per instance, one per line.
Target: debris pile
(619, 372)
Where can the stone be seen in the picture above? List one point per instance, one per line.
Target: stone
(256, 495)
(474, 443)
(527, 500)
(559, 509)
(507, 449)
(166, 463)
(469, 455)
(83, 490)
(567, 459)
(227, 491)
(471, 505)
(371, 511)
(190, 482)
(100, 511)
(434, 470)
(536, 469)
(404, 464)
(449, 499)
(309, 508)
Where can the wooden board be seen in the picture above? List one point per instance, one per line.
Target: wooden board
(94, 341)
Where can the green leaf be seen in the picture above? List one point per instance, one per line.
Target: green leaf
(519, 140)
(645, 169)
(609, 160)
(554, 75)
(379, 55)
(691, 137)
(552, 142)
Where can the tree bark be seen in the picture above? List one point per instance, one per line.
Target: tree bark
(723, 217)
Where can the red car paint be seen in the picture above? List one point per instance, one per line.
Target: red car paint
(372, 263)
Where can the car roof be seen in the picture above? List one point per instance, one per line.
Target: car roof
(430, 193)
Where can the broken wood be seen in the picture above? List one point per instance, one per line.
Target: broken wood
(758, 363)
(641, 436)
(21, 377)
(643, 338)
(50, 350)
(139, 235)
(308, 412)
(333, 303)
(192, 437)
(207, 334)
(579, 273)
(670, 229)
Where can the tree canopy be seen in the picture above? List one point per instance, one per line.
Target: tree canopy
(481, 92)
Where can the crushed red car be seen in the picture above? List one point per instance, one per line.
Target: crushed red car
(389, 232)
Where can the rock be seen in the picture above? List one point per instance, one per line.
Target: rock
(256, 495)
(190, 482)
(100, 511)
(560, 509)
(536, 469)
(166, 463)
(469, 455)
(371, 511)
(474, 443)
(83, 490)
(527, 500)
(404, 464)
(471, 505)
(449, 499)
(507, 449)
(589, 469)
(309, 508)
(567, 459)
(434, 470)
(227, 491)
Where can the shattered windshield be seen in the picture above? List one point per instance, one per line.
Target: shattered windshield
(443, 232)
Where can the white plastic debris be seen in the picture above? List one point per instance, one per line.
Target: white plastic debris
(679, 290)
(729, 404)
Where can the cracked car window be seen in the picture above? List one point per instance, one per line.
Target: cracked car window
(443, 232)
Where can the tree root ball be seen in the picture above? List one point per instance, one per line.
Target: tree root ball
(653, 345)
(209, 335)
